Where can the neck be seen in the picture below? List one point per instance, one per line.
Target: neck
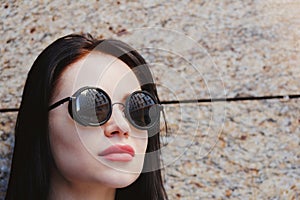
(60, 188)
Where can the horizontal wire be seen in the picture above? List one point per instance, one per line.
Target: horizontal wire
(2, 110)
(285, 97)
(231, 99)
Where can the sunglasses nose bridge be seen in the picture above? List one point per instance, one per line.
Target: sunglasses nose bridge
(118, 105)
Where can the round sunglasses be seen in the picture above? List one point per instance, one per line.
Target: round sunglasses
(91, 106)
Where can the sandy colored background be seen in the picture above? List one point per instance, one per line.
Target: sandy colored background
(197, 49)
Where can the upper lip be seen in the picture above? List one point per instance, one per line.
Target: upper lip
(118, 149)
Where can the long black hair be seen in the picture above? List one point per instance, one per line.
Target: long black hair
(32, 158)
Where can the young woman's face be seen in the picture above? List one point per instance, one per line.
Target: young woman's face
(84, 154)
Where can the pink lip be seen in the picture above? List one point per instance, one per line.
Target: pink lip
(122, 153)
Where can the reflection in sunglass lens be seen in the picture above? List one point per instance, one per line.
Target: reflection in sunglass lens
(92, 106)
(142, 109)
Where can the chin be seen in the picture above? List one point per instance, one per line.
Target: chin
(121, 180)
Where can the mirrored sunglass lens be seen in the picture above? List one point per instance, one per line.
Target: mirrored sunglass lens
(92, 106)
(143, 110)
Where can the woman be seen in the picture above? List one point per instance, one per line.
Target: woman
(88, 120)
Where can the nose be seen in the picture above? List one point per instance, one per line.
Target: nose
(117, 125)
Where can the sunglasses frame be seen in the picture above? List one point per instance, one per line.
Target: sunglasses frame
(76, 117)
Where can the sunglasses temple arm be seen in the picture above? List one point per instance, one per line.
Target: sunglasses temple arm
(59, 103)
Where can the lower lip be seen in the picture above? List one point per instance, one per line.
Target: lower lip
(120, 157)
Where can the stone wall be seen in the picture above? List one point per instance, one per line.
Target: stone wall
(197, 49)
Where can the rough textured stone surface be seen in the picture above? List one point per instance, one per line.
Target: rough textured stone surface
(197, 49)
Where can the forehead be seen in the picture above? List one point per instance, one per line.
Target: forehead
(99, 70)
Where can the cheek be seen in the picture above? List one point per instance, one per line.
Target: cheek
(69, 155)
(142, 145)
(61, 134)
(140, 140)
